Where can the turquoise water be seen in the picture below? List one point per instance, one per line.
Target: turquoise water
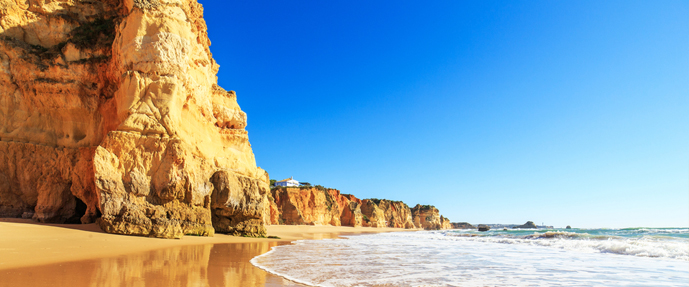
(639, 232)
(544, 257)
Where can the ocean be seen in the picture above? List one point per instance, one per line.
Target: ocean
(543, 257)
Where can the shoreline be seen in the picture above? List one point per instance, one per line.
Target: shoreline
(71, 251)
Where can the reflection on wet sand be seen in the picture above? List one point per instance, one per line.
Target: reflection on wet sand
(199, 265)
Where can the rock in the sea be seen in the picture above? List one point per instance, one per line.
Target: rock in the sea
(445, 223)
(483, 227)
(113, 108)
(568, 227)
(462, 225)
(528, 224)
(428, 217)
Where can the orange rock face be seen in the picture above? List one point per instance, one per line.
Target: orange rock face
(51, 107)
(386, 213)
(314, 206)
(428, 217)
(318, 206)
(311, 206)
(397, 214)
(351, 215)
(373, 215)
(112, 107)
(445, 223)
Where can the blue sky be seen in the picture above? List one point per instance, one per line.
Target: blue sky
(562, 112)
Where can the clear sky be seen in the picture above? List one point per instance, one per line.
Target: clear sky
(562, 112)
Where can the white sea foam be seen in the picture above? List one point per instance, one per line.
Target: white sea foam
(461, 259)
(646, 246)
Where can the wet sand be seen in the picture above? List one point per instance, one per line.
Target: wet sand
(33, 254)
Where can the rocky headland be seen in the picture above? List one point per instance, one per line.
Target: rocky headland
(110, 112)
(327, 206)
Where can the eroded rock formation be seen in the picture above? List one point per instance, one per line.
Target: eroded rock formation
(325, 206)
(311, 206)
(428, 217)
(445, 223)
(387, 213)
(316, 206)
(112, 107)
(52, 106)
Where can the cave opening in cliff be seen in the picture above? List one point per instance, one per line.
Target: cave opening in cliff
(79, 210)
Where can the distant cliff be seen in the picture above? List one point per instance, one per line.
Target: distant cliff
(386, 213)
(310, 206)
(427, 217)
(327, 206)
(462, 225)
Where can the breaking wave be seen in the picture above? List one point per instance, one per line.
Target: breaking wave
(496, 258)
(644, 242)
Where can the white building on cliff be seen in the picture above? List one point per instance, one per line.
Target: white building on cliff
(287, 182)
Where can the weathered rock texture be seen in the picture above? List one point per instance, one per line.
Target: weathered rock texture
(428, 217)
(112, 107)
(324, 206)
(315, 206)
(445, 223)
(386, 213)
(52, 112)
(311, 206)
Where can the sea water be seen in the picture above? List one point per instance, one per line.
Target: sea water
(552, 257)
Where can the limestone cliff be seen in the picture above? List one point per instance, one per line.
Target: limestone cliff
(428, 217)
(54, 81)
(351, 214)
(445, 223)
(386, 213)
(373, 215)
(312, 206)
(112, 107)
(325, 206)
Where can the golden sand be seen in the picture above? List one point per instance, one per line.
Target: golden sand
(33, 254)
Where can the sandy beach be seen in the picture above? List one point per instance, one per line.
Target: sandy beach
(33, 254)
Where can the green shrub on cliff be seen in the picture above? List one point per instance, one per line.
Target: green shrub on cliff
(427, 207)
(374, 200)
